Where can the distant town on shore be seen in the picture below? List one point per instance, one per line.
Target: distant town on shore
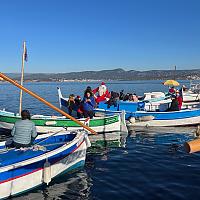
(115, 74)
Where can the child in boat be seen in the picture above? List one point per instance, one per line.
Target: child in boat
(88, 104)
(24, 131)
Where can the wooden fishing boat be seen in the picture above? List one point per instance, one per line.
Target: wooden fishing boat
(139, 116)
(45, 124)
(190, 98)
(185, 117)
(24, 169)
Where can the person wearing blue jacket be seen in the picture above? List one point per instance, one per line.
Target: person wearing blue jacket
(88, 104)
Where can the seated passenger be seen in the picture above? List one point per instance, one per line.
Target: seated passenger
(103, 93)
(71, 104)
(133, 97)
(24, 131)
(126, 97)
(113, 99)
(88, 105)
(174, 104)
(78, 107)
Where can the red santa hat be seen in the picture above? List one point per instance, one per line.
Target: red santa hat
(102, 83)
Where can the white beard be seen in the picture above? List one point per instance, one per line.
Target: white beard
(102, 90)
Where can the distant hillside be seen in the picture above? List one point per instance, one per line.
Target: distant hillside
(115, 74)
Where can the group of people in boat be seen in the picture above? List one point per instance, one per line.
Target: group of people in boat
(85, 107)
(177, 99)
(24, 130)
(92, 97)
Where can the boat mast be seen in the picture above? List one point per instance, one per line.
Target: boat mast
(175, 72)
(24, 55)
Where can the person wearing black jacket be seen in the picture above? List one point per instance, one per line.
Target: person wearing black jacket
(174, 104)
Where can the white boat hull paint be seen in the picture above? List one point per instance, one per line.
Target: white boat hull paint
(167, 123)
(48, 129)
(15, 187)
(35, 179)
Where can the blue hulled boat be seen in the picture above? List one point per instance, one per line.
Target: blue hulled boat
(138, 115)
(26, 168)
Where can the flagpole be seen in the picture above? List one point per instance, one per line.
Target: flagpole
(175, 72)
(22, 77)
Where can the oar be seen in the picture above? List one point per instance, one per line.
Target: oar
(46, 102)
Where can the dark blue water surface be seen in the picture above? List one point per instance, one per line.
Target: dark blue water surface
(151, 164)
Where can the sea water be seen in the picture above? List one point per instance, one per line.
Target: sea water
(149, 164)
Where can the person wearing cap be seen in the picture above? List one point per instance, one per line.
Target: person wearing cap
(102, 93)
(24, 131)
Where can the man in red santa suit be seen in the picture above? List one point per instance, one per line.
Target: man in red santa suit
(103, 93)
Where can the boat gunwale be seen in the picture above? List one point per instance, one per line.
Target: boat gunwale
(76, 140)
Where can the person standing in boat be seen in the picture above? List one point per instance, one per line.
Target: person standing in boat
(103, 93)
(24, 131)
(88, 104)
(179, 99)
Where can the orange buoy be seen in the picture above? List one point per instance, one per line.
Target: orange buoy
(192, 146)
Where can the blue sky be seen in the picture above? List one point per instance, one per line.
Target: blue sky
(79, 35)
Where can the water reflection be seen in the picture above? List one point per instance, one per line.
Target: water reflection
(166, 140)
(70, 186)
(112, 140)
(163, 135)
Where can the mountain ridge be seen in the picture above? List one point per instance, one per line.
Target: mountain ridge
(111, 74)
